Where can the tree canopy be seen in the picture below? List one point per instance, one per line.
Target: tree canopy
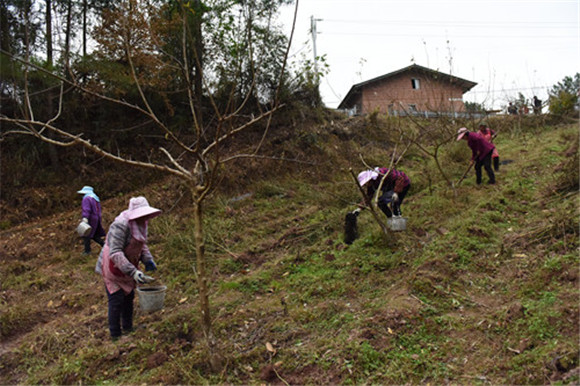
(226, 53)
(564, 95)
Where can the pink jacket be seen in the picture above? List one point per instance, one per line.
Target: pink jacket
(488, 134)
(480, 147)
(124, 249)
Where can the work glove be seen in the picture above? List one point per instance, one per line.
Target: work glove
(395, 197)
(85, 220)
(141, 278)
(150, 266)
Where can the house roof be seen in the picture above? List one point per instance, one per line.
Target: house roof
(465, 85)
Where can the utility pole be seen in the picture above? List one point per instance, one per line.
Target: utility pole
(314, 32)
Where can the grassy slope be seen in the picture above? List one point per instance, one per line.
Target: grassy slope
(482, 287)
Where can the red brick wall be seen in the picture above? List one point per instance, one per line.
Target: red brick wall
(433, 95)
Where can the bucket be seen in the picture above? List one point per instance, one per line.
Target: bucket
(151, 298)
(83, 229)
(397, 223)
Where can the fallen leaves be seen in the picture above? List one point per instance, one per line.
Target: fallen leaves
(270, 348)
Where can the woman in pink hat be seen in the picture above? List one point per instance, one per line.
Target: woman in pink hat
(126, 246)
(481, 152)
(393, 191)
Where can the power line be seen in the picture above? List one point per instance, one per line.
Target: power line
(454, 37)
(494, 91)
(469, 24)
(509, 90)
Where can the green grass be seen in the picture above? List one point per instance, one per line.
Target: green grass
(479, 289)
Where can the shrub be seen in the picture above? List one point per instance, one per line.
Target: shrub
(564, 96)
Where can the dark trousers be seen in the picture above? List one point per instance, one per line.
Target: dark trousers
(87, 241)
(383, 202)
(496, 163)
(120, 312)
(486, 163)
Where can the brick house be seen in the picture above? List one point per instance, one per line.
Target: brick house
(413, 90)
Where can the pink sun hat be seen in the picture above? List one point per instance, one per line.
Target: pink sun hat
(461, 132)
(366, 176)
(139, 207)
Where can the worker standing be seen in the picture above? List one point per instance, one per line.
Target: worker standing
(91, 215)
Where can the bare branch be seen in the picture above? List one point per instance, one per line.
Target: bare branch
(175, 163)
(77, 139)
(276, 95)
(185, 71)
(240, 156)
(240, 128)
(369, 204)
(59, 108)
(98, 95)
(150, 111)
(29, 130)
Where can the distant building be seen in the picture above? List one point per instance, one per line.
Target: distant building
(412, 90)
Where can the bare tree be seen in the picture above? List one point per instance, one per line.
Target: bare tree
(198, 162)
(372, 202)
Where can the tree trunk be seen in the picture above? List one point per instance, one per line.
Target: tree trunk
(49, 33)
(200, 264)
(215, 358)
(67, 36)
(198, 76)
(5, 39)
(52, 153)
(85, 10)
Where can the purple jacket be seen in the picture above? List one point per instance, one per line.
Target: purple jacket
(91, 210)
(480, 147)
(395, 181)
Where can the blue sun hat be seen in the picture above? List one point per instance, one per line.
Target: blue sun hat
(86, 190)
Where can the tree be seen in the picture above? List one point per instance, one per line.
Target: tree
(474, 107)
(194, 148)
(563, 96)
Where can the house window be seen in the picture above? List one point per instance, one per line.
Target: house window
(415, 84)
(413, 108)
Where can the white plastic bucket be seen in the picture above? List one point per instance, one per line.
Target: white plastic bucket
(397, 223)
(84, 229)
(151, 298)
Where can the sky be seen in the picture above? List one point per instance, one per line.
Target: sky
(507, 47)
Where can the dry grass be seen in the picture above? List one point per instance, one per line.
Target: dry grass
(481, 288)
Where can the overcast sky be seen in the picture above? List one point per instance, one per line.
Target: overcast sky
(506, 47)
